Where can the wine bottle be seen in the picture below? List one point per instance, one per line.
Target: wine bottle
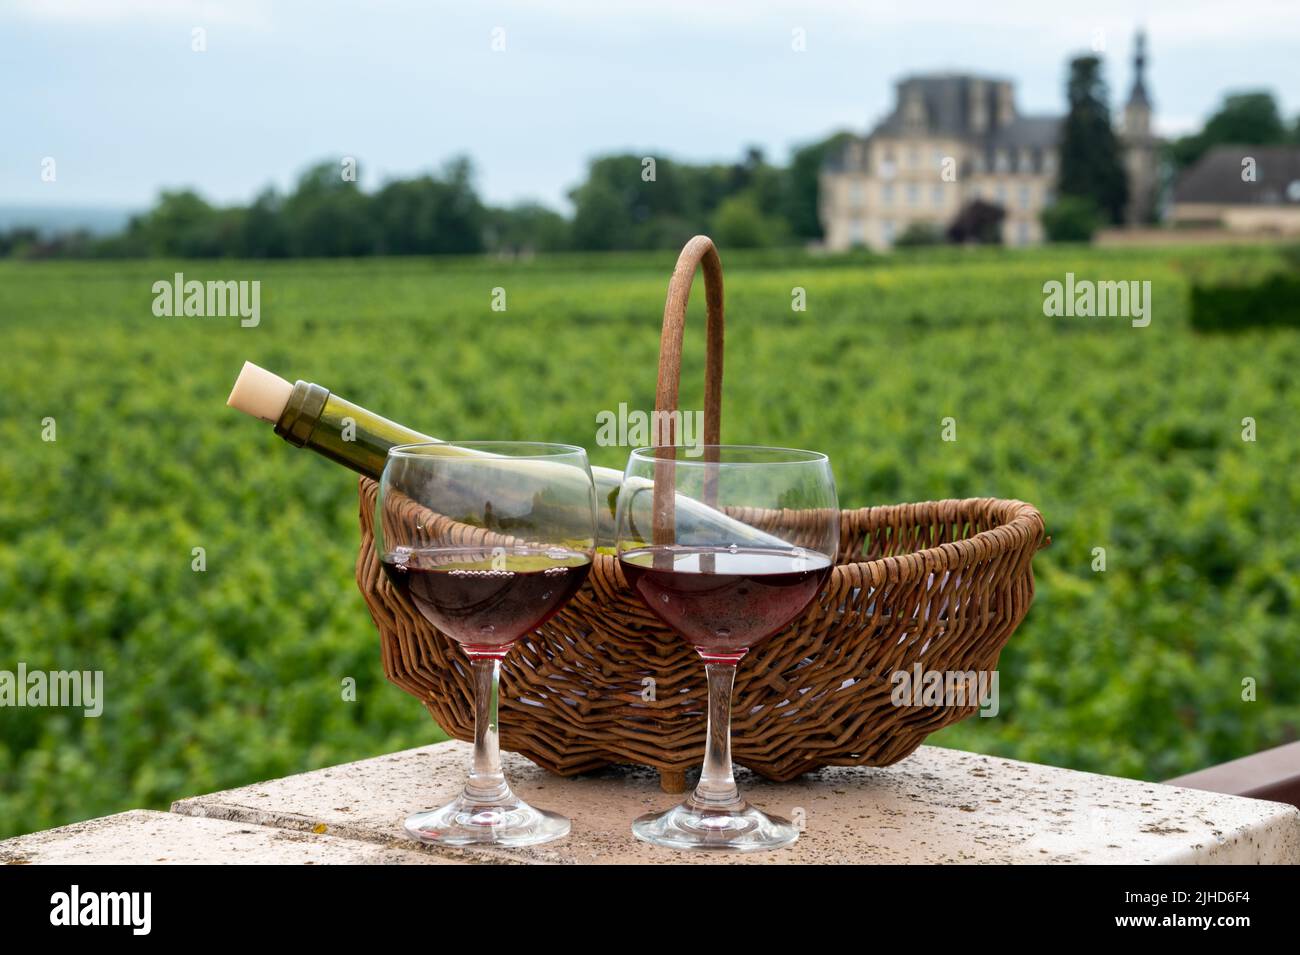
(310, 416)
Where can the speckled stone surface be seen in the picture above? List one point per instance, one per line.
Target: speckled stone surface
(938, 805)
(142, 836)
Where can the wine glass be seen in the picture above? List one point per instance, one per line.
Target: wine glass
(487, 540)
(727, 548)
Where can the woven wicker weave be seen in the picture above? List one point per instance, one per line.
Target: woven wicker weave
(942, 584)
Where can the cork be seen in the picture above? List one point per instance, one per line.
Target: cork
(260, 393)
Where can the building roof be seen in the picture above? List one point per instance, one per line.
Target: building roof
(1216, 178)
(944, 104)
(1138, 94)
(950, 101)
(1041, 131)
(947, 99)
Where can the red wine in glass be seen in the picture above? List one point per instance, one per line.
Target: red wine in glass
(486, 540)
(724, 600)
(483, 599)
(724, 586)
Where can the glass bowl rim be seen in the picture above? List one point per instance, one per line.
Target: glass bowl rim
(411, 450)
(648, 453)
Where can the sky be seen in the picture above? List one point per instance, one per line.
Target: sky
(114, 92)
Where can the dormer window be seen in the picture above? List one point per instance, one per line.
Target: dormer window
(887, 167)
(914, 117)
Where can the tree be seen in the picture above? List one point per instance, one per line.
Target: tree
(328, 215)
(1090, 166)
(18, 240)
(625, 203)
(461, 218)
(265, 235)
(740, 224)
(765, 183)
(430, 215)
(628, 203)
(527, 227)
(803, 186)
(978, 222)
(174, 225)
(1070, 219)
(1246, 119)
(599, 217)
(920, 234)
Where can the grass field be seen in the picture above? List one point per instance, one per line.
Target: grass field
(1126, 438)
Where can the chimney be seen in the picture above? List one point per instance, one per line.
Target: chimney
(979, 115)
(914, 112)
(1006, 104)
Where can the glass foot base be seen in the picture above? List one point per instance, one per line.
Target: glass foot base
(743, 829)
(464, 822)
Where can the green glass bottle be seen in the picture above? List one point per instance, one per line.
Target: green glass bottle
(310, 416)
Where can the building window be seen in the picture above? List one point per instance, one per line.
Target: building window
(937, 197)
(1049, 161)
(857, 232)
(887, 231)
(1022, 233)
(913, 158)
(887, 193)
(855, 194)
(1024, 197)
(913, 194)
(887, 164)
(1002, 194)
(937, 158)
(1001, 161)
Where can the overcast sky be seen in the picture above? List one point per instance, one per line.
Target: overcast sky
(112, 90)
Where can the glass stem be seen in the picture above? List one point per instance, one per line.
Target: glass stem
(486, 783)
(717, 787)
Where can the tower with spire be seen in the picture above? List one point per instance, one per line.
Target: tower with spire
(1141, 147)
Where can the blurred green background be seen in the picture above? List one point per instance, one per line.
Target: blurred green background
(1126, 438)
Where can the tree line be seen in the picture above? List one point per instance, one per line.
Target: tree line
(627, 202)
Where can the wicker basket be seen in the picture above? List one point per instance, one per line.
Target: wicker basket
(942, 584)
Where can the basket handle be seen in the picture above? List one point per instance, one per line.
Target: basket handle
(699, 252)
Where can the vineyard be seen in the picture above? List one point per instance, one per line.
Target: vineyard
(205, 566)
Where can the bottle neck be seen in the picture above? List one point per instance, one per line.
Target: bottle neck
(340, 430)
(302, 413)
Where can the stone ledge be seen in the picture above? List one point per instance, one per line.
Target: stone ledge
(164, 838)
(938, 805)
